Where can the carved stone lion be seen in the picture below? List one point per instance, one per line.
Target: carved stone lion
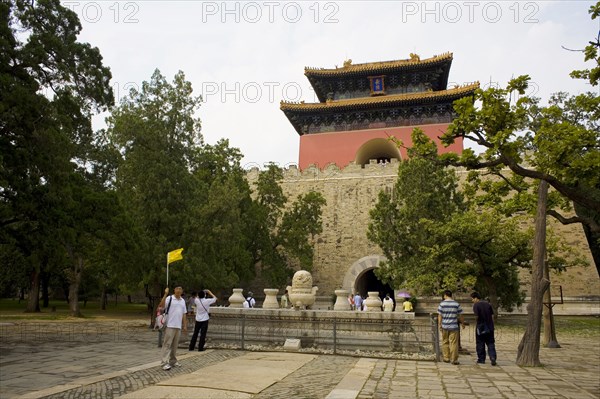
(302, 279)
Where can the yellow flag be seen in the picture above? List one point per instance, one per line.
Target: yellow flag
(174, 255)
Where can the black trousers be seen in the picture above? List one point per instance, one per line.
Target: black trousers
(202, 327)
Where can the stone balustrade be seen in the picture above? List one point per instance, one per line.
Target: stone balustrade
(322, 330)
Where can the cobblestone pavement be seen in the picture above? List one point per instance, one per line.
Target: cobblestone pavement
(106, 360)
(315, 380)
(131, 382)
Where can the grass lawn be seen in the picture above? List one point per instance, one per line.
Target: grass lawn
(11, 309)
(583, 326)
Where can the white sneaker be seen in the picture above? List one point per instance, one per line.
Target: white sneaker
(167, 367)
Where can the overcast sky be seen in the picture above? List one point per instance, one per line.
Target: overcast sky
(245, 57)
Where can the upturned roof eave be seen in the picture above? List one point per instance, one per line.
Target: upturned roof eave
(378, 67)
(386, 100)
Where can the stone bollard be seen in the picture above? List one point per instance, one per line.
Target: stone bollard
(373, 302)
(270, 298)
(341, 302)
(236, 300)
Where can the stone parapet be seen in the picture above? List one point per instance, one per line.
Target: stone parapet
(323, 330)
(571, 306)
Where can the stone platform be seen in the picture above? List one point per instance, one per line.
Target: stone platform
(117, 359)
(324, 331)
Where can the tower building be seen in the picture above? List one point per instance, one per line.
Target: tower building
(362, 105)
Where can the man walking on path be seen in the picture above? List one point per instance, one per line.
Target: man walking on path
(176, 321)
(449, 317)
(484, 333)
(201, 325)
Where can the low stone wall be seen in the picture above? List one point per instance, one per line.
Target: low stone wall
(390, 333)
(571, 306)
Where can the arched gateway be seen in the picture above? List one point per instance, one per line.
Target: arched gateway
(361, 278)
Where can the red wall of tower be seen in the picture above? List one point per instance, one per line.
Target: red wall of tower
(341, 147)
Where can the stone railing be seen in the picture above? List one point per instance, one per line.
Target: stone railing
(392, 334)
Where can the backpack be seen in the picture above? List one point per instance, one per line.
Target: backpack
(161, 316)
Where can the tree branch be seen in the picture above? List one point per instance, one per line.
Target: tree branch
(594, 226)
(573, 193)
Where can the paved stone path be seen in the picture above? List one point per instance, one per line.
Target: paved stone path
(108, 360)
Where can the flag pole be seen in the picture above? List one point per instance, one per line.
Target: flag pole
(167, 270)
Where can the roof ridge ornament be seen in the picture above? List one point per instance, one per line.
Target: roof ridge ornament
(415, 57)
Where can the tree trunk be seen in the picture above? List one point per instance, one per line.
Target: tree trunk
(153, 302)
(528, 353)
(128, 298)
(33, 303)
(549, 339)
(593, 237)
(103, 298)
(493, 296)
(45, 280)
(75, 280)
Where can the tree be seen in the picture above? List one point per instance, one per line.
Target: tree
(182, 192)
(219, 223)
(50, 84)
(591, 54)
(403, 222)
(558, 143)
(494, 247)
(281, 230)
(432, 240)
(156, 134)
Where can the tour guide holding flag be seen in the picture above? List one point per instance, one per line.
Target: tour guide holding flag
(176, 320)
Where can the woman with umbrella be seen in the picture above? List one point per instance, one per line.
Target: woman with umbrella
(406, 305)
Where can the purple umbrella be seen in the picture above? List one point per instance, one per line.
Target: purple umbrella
(403, 294)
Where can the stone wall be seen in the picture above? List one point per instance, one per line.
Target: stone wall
(341, 332)
(343, 251)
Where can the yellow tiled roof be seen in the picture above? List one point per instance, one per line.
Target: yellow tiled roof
(375, 66)
(378, 100)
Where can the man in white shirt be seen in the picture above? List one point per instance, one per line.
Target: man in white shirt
(388, 303)
(250, 302)
(176, 321)
(202, 305)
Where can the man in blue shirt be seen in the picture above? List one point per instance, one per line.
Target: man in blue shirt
(449, 317)
(358, 302)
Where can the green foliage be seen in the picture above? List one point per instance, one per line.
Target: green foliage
(434, 239)
(50, 84)
(182, 192)
(493, 248)
(558, 143)
(282, 231)
(591, 54)
(167, 181)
